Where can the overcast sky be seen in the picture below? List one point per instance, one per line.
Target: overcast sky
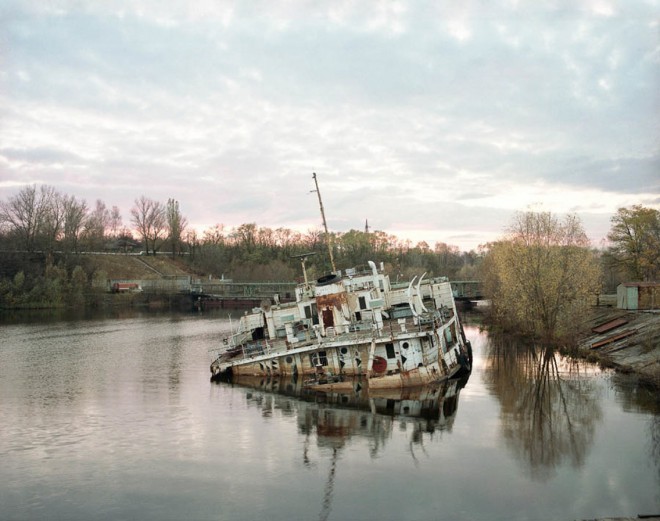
(434, 120)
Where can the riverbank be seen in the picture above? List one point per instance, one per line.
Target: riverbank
(628, 341)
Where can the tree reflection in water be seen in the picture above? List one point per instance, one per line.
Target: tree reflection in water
(634, 397)
(550, 409)
(655, 443)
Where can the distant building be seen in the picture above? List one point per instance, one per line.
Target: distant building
(638, 295)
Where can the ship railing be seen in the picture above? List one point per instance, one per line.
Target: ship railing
(365, 328)
(246, 349)
(238, 339)
(231, 344)
(422, 322)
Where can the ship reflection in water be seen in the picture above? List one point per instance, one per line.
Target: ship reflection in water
(339, 415)
(333, 418)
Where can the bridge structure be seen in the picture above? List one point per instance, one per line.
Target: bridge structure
(466, 293)
(247, 294)
(467, 289)
(219, 293)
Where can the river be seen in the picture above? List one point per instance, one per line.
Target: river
(116, 418)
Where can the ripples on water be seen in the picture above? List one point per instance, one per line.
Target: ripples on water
(117, 419)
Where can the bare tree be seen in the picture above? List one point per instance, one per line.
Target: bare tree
(75, 214)
(96, 226)
(115, 222)
(193, 242)
(149, 219)
(215, 235)
(52, 226)
(245, 236)
(176, 224)
(25, 214)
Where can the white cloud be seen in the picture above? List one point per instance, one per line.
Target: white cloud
(413, 116)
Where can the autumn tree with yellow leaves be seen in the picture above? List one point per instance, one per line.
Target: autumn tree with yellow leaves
(542, 277)
(635, 242)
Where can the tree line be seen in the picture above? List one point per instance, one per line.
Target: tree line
(41, 219)
(539, 276)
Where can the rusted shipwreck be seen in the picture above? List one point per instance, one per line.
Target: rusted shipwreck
(356, 324)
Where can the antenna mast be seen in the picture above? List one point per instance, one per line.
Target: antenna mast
(325, 225)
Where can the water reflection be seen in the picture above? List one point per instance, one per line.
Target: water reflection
(337, 416)
(332, 420)
(641, 399)
(549, 408)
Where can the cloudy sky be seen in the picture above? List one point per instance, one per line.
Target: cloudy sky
(434, 120)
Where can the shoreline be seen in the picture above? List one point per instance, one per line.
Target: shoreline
(627, 341)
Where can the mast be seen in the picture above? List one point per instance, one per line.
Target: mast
(325, 225)
(303, 260)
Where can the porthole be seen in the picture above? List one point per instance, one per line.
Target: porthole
(289, 359)
(405, 345)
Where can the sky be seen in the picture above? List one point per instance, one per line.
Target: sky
(433, 120)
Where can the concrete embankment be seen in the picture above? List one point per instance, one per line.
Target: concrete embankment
(628, 341)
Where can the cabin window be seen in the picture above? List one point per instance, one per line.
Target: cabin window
(318, 358)
(389, 348)
(405, 345)
(312, 313)
(344, 350)
(363, 302)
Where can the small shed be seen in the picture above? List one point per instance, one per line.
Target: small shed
(638, 295)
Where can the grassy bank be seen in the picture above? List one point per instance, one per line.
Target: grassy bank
(54, 281)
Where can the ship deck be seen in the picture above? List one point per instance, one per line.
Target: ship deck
(260, 350)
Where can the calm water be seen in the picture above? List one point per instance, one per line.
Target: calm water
(117, 419)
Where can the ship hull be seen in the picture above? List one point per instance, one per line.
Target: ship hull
(385, 363)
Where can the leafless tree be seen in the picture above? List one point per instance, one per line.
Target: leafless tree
(96, 226)
(115, 222)
(149, 219)
(193, 242)
(176, 224)
(52, 226)
(26, 214)
(215, 235)
(75, 214)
